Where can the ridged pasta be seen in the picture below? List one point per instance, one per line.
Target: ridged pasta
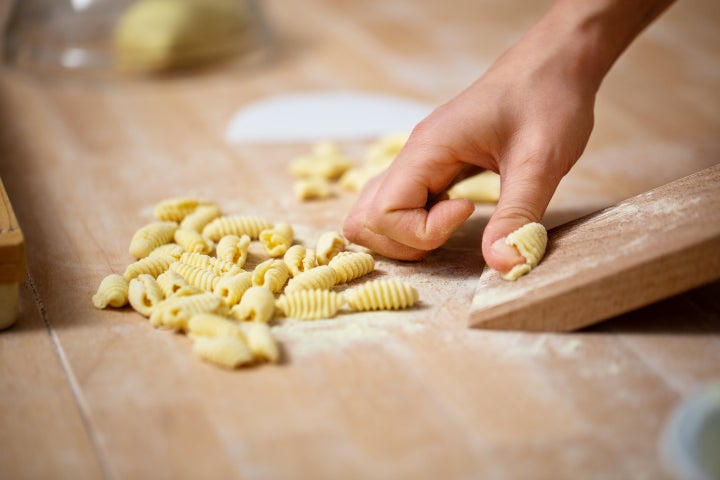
(256, 305)
(382, 295)
(261, 342)
(213, 325)
(202, 215)
(299, 259)
(233, 287)
(271, 273)
(310, 304)
(170, 282)
(192, 241)
(176, 209)
(197, 276)
(322, 277)
(215, 265)
(314, 188)
(144, 293)
(233, 249)
(175, 312)
(351, 265)
(328, 245)
(227, 352)
(154, 266)
(151, 236)
(235, 225)
(277, 240)
(112, 291)
(531, 241)
(172, 249)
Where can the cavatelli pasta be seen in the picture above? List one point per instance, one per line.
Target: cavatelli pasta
(212, 325)
(215, 265)
(235, 225)
(144, 293)
(233, 287)
(382, 295)
(176, 209)
(151, 236)
(256, 305)
(260, 340)
(277, 240)
(322, 277)
(192, 241)
(271, 273)
(299, 259)
(170, 282)
(328, 245)
(233, 249)
(202, 215)
(227, 352)
(154, 266)
(175, 312)
(326, 160)
(310, 304)
(531, 241)
(172, 249)
(112, 291)
(314, 188)
(351, 265)
(197, 276)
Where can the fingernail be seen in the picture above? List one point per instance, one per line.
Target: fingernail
(506, 254)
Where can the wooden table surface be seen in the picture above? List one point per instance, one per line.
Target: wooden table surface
(86, 393)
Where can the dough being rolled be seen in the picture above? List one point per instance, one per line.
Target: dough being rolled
(530, 240)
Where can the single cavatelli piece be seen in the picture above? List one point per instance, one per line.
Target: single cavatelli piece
(352, 265)
(382, 295)
(144, 293)
(233, 249)
(202, 215)
(175, 312)
(227, 352)
(150, 236)
(192, 241)
(197, 276)
(271, 273)
(176, 209)
(322, 277)
(235, 225)
(154, 266)
(277, 240)
(233, 287)
(310, 304)
(113, 292)
(299, 259)
(215, 265)
(171, 282)
(256, 305)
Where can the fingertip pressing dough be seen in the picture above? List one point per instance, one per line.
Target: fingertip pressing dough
(531, 241)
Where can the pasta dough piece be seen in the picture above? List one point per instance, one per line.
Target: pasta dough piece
(151, 236)
(212, 325)
(328, 245)
(113, 292)
(322, 277)
(170, 282)
(235, 225)
(351, 265)
(172, 249)
(227, 352)
(154, 265)
(144, 293)
(299, 259)
(176, 209)
(175, 312)
(382, 295)
(310, 304)
(531, 241)
(482, 188)
(202, 215)
(192, 241)
(383, 151)
(271, 273)
(326, 161)
(196, 276)
(312, 188)
(256, 305)
(277, 240)
(261, 342)
(233, 287)
(215, 265)
(233, 249)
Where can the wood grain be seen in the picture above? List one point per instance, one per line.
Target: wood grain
(645, 249)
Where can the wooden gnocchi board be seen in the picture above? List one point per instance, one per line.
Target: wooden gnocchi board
(652, 246)
(12, 243)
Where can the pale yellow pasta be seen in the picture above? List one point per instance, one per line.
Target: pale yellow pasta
(151, 236)
(227, 352)
(299, 259)
(351, 265)
(235, 225)
(154, 266)
(175, 312)
(193, 241)
(271, 273)
(322, 277)
(531, 241)
(261, 342)
(112, 291)
(483, 187)
(383, 151)
(176, 209)
(256, 305)
(197, 276)
(144, 293)
(172, 249)
(213, 325)
(312, 188)
(382, 295)
(215, 265)
(232, 287)
(328, 245)
(310, 304)
(202, 215)
(233, 249)
(187, 290)
(277, 240)
(355, 179)
(326, 160)
(170, 282)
